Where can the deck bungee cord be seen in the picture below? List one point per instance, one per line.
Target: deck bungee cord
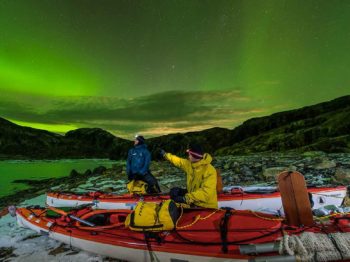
(178, 229)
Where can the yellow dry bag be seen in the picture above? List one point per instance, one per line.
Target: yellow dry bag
(150, 216)
(137, 187)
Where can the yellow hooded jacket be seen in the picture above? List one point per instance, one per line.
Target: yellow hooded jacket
(201, 180)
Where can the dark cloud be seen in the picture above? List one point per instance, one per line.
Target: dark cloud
(16, 110)
(166, 106)
(174, 110)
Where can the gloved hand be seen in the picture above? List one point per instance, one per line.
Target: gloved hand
(179, 199)
(174, 192)
(177, 191)
(182, 192)
(162, 152)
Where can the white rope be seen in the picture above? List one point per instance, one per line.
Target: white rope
(316, 246)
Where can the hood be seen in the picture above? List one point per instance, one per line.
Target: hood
(205, 161)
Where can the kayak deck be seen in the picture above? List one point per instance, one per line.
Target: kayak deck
(191, 241)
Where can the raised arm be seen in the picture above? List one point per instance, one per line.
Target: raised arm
(182, 163)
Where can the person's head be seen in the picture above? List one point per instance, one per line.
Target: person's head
(139, 140)
(195, 152)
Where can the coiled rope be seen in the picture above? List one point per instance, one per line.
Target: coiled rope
(310, 246)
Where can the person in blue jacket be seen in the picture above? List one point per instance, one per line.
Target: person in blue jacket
(137, 165)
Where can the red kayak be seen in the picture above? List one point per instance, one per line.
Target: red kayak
(241, 198)
(200, 234)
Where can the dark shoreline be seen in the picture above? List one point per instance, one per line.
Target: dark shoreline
(23, 158)
(319, 169)
(38, 187)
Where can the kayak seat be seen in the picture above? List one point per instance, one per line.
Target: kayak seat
(98, 220)
(116, 218)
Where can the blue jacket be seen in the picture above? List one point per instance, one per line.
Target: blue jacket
(139, 159)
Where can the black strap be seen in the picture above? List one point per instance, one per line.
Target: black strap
(147, 227)
(148, 236)
(223, 229)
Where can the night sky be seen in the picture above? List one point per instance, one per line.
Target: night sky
(159, 67)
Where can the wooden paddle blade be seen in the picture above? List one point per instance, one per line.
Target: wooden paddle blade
(295, 198)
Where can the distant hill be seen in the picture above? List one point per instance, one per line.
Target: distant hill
(325, 127)
(20, 142)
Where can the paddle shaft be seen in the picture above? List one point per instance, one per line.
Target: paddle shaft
(82, 221)
(61, 212)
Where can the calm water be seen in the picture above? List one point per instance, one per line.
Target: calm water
(13, 170)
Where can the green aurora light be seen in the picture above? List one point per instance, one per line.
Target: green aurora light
(168, 66)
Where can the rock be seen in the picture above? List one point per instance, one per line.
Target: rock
(6, 253)
(246, 172)
(117, 168)
(88, 173)
(109, 259)
(108, 189)
(30, 237)
(258, 165)
(74, 173)
(227, 174)
(313, 154)
(270, 174)
(72, 253)
(235, 164)
(308, 176)
(236, 178)
(342, 175)
(158, 172)
(99, 170)
(300, 167)
(318, 180)
(325, 164)
(58, 250)
(347, 201)
(292, 168)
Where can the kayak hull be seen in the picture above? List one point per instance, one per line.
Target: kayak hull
(131, 246)
(240, 200)
(132, 254)
(200, 241)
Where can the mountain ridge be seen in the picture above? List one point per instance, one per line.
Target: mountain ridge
(324, 126)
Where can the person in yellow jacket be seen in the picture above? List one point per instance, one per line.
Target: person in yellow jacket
(201, 178)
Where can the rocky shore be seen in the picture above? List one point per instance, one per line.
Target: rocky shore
(319, 169)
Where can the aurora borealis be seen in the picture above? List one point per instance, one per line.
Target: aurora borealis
(158, 67)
